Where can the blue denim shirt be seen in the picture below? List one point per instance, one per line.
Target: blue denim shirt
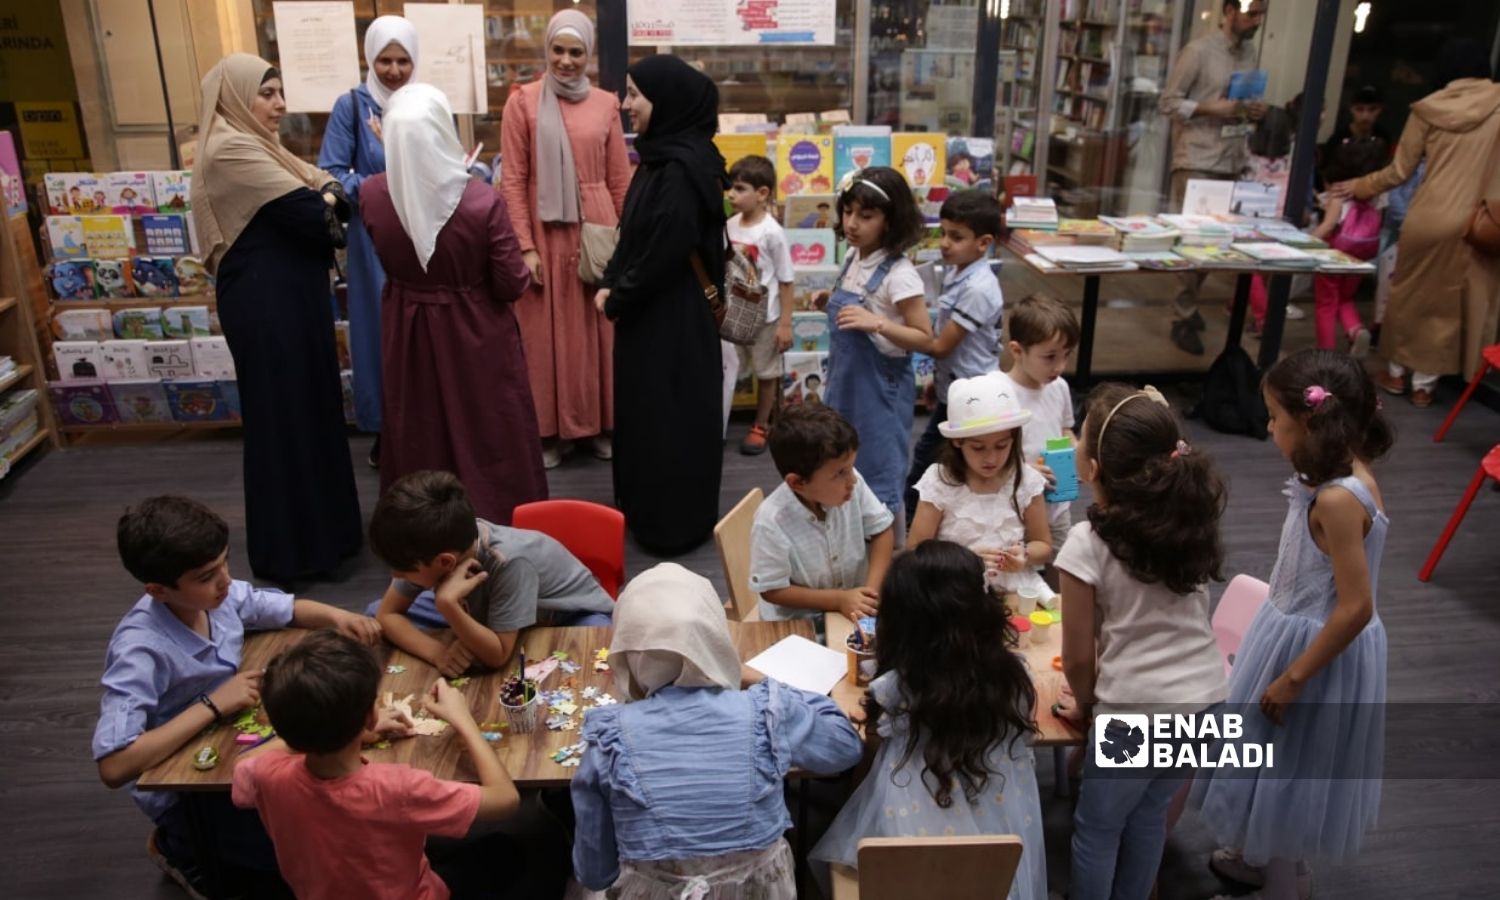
(693, 772)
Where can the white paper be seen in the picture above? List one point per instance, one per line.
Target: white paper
(319, 62)
(1206, 197)
(801, 663)
(729, 22)
(452, 60)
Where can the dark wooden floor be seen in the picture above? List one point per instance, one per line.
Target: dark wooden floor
(62, 591)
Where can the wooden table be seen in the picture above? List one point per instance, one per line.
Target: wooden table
(527, 757)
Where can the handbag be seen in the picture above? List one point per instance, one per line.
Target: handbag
(596, 244)
(741, 310)
(1483, 233)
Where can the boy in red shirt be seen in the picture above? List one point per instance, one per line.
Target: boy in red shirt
(344, 827)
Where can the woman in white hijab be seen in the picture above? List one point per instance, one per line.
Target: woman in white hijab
(679, 792)
(565, 163)
(268, 224)
(352, 152)
(455, 388)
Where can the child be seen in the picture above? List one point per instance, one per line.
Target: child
(1352, 226)
(680, 790)
(488, 581)
(1310, 673)
(1136, 633)
(752, 188)
(877, 316)
(967, 342)
(1043, 335)
(344, 827)
(955, 750)
(982, 494)
(822, 541)
(172, 670)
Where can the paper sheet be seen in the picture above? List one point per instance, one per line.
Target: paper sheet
(319, 62)
(452, 40)
(801, 663)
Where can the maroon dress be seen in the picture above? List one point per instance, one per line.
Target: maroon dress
(457, 395)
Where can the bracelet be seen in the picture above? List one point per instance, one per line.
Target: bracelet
(203, 698)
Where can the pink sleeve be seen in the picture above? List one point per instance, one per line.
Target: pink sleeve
(515, 168)
(445, 808)
(244, 793)
(616, 164)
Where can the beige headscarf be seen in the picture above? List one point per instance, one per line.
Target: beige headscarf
(670, 630)
(556, 175)
(241, 165)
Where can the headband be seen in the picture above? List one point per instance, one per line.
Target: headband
(853, 179)
(1149, 392)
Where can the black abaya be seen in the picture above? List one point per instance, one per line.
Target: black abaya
(301, 505)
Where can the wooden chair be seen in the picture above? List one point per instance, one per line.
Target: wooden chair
(732, 535)
(979, 867)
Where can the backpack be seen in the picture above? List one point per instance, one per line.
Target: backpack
(1231, 400)
(1359, 233)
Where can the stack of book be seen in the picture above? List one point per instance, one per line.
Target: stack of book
(1337, 262)
(1157, 260)
(1032, 212)
(1029, 239)
(1199, 231)
(1283, 232)
(1273, 255)
(1089, 232)
(7, 366)
(1085, 259)
(1214, 256)
(1142, 234)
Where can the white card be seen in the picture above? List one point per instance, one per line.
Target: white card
(801, 663)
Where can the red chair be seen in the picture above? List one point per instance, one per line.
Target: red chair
(1489, 467)
(1490, 360)
(593, 533)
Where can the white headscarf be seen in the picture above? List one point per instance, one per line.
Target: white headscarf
(424, 164)
(670, 630)
(382, 33)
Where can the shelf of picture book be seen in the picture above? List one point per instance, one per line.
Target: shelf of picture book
(20, 425)
(120, 235)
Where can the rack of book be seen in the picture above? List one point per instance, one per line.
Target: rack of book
(1022, 33)
(25, 424)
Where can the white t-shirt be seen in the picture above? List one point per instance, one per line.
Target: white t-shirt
(1154, 647)
(773, 257)
(1051, 407)
(901, 282)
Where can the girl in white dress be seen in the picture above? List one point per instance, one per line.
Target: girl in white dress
(981, 494)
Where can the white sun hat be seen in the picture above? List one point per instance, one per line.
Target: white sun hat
(981, 405)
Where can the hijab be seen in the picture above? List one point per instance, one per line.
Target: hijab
(383, 32)
(670, 630)
(241, 164)
(556, 177)
(424, 164)
(684, 117)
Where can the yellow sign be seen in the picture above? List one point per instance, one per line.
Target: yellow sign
(49, 130)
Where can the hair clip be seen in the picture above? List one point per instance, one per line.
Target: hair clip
(848, 182)
(1154, 395)
(1182, 449)
(1314, 395)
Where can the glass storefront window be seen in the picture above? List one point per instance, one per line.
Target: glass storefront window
(921, 64)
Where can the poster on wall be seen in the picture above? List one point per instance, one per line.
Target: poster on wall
(730, 22)
(452, 41)
(319, 61)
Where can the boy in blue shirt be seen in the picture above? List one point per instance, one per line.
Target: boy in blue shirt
(966, 339)
(172, 669)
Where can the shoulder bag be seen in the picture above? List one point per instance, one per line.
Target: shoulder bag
(1483, 233)
(741, 313)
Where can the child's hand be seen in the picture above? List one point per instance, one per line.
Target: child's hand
(1013, 559)
(858, 318)
(389, 723)
(361, 628)
(820, 299)
(1046, 473)
(1282, 692)
(240, 692)
(448, 703)
(783, 337)
(858, 602)
(456, 659)
(458, 585)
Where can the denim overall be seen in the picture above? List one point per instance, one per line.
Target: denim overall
(875, 392)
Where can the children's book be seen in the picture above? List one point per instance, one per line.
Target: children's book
(192, 276)
(77, 360)
(140, 400)
(810, 280)
(1285, 233)
(108, 237)
(808, 211)
(804, 164)
(1142, 225)
(810, 246)
(857, 147)
(154, 276)
(1213, 256)
(55, 187)
(1158, 260)
(924, 368)
(82, 325)
(72, 279)
(169, 359)
(736, 147)
(809, 332)
(1259, 199)
(86, 194)
(82, 403)
(1207, 197)
(184, 321)
(806, 377)
(211, 358)
(166, 234)
(142, 323)
(1270, 253)
(922, 157)
(1338, 262)
(172, 190)
(65, 237)
(124, 359)
(129, 193)
(112, 279)
(1248, 85)
(930, 202)
(971, 163)
(195, 400)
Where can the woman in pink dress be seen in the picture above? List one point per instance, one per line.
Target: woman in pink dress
(564, 161)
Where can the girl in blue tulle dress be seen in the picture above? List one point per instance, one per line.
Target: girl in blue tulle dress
(1310, 675)
(952, 703)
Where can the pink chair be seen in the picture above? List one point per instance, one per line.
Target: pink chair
(1241, 601)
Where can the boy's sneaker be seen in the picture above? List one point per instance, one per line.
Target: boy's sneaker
(754, 443)
(186, 875)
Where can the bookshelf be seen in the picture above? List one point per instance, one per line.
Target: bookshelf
(21, 294)
(1017, 103)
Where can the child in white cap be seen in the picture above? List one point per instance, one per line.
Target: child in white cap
(980, 493)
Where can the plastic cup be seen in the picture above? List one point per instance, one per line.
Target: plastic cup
(1022, 625)
(1041, 628)
(523, 718)
(861, 662)
(1026, 600)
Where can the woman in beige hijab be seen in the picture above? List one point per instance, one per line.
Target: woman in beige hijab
(679, 793)
(269, 223)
